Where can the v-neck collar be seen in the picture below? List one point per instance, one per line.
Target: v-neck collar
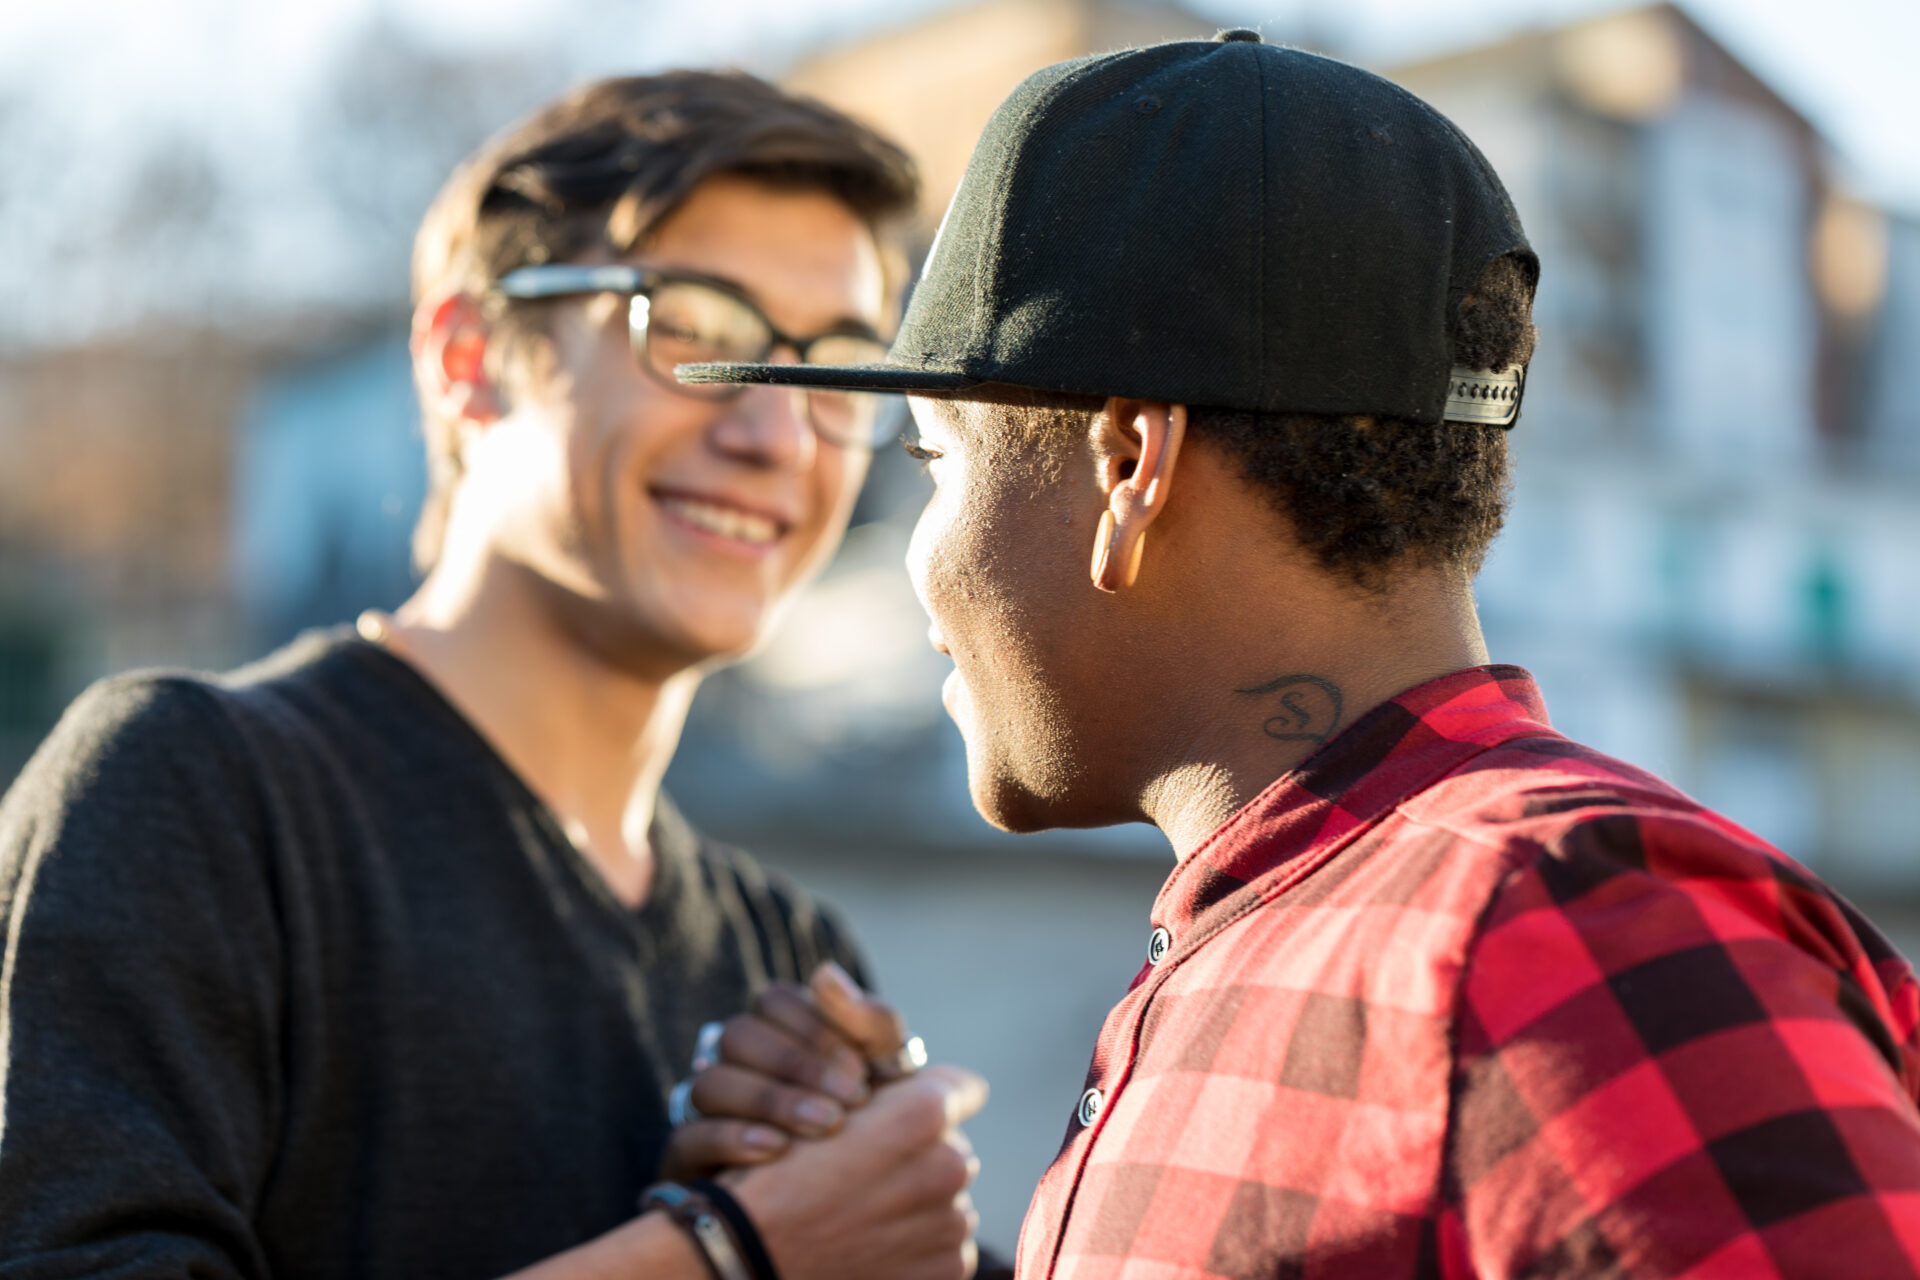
(671, 838)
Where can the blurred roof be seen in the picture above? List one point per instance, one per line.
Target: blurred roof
(1630, 63)
(932, 83)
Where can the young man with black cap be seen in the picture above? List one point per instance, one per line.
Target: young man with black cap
(1432, 990)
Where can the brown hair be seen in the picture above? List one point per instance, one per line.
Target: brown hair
(603, 166)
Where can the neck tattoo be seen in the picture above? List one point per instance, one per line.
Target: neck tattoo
(1300, 708)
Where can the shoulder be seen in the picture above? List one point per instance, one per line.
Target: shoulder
(1551, 813)
(1620, 894)
(176, 722)
(146, 767)
(1656, 998)
(1575, 828)
(144, 729)
(140, 814)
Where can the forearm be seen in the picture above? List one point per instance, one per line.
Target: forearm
(649, 1247)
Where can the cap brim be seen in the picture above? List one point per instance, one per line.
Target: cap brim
(829, 377)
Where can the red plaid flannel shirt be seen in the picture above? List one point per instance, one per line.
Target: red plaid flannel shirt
(1460, 997)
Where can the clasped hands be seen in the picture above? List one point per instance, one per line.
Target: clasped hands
(844, 1176)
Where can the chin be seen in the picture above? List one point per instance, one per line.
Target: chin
(1011, 810)
(1012, 804)
(657, 648)
(705, 633)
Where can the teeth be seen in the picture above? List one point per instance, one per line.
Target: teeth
(728, 522)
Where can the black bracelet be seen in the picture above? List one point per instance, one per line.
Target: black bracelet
(759, 1261)
(697, 1215)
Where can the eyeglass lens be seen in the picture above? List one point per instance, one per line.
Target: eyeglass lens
(685, 322)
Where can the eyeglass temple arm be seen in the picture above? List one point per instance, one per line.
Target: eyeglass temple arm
(554, 280)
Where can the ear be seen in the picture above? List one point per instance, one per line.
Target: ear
(1137, 442)
(449, 343)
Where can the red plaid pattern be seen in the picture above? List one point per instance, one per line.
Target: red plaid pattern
(1460, 997)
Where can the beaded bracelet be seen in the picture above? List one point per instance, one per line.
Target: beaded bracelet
(699, 1218)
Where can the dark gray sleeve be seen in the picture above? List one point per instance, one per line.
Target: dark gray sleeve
(834, 940)
(141, 994)
(797, 932)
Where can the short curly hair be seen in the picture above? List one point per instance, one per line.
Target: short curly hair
(1368, 497)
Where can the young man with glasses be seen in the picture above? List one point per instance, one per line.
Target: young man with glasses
(1213, 366)
(379, 958)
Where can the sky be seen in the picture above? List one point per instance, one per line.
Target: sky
(226, 91)
(1849, 64)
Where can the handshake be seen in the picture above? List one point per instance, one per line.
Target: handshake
(811, 1113)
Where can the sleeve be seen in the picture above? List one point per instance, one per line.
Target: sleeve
(1676, 1058)
(140, 995)
(831, 938)
(810, 933)
(794, 931)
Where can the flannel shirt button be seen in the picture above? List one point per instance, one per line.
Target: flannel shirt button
(1091, 1103)
(1159, 944)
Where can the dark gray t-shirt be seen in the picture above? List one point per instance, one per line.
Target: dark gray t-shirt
(300, 980)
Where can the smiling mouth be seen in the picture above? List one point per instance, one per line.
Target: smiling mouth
(722, 520)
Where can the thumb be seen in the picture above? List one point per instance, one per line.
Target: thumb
(915, 1113)
(874, 1026)
(963, 1092)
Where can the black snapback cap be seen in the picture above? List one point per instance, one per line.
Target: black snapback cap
(1225, 223)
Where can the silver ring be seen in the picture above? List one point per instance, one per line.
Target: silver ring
(897, 1066)
(706, 1046)
(680, 1109)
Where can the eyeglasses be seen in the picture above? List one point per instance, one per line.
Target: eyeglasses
(676, 319)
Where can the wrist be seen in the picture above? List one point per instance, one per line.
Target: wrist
(740, 1225)
(649, 1245)
(716, 1226)
(766, 1200)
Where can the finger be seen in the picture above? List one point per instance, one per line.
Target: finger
(796, 1012)
(962, 1092)
(792, 1008)
(739, 1094)
(964, 1203)
(936, 1244)
(759, 1046)
(916, 1113)
(909, 1173)
(935, 1178)
(924, 1240)
(705, 1146)
(873, 1025)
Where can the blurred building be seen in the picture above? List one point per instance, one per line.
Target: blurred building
(113, 514)
(933, 84)
(1709, 562)
(1710, 557)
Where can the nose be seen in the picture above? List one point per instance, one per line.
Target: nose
(768, 427)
